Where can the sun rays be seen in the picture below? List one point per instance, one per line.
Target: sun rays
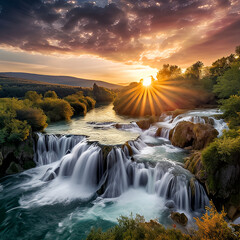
(152, 97)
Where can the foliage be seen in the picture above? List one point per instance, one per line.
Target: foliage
(33, 96)
(34, 117)
(136, 229)
(194, 71)
(231, 108)
(102, 94)
(56, 109)
(50, 94)
(80, 103)
(14, 131)
(212, 225)
(229, 83)
(220, 154)
(168, 72)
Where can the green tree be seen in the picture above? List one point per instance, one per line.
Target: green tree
(194, 72)
(168, 72)
(56, 109)
(14, 131)
(50, 94)
(229, 83)
(231, 109)
(34, 117)
(33, 96)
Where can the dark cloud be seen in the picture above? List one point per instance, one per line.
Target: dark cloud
(124, 30)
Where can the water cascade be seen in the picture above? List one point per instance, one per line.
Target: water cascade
(86, 167)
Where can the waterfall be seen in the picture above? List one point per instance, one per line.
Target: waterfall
(85, 166)
(50, 148)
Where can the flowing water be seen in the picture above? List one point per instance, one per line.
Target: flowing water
(74, 187)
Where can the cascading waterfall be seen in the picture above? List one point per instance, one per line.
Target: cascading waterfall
(85, 166)
(50, 148)
(168, 122)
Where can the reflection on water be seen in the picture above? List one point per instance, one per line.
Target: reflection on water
(98, 125)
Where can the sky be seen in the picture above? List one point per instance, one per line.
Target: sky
(117, 41)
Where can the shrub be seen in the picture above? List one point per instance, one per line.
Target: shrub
(35, 117)
(231, 108)
(33, 96)
(50, 94)
(14, 131)
(229, 83)
(56, 109)
(212, 225)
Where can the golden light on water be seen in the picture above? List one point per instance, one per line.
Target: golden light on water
(147, 81)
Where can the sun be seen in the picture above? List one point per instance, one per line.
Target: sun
(147, 81)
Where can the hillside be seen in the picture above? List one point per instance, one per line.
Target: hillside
(65, 80)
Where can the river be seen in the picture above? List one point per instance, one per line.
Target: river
(72, 189)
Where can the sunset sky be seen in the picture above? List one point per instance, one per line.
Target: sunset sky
(117, 40)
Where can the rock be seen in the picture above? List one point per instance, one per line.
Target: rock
(170, 204)
(143, 124)
(179, 218)
(192, 186)
(1, 159)
(158, 132)
(14, 168)
(232, 210)
(187, 134)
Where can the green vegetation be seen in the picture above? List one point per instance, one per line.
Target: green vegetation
(211, 226)
(196, 87)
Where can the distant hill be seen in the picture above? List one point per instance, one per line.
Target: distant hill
(65, 80)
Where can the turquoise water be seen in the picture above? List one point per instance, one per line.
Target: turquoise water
(59, 209)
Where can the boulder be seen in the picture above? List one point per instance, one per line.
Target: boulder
(179, 218)
(187, 134)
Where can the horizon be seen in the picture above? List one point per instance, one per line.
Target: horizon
(114, 41)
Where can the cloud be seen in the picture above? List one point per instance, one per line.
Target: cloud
(146, 31)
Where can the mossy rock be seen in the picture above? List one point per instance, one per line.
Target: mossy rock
(179, 218)
(197, 136)
(14, 168)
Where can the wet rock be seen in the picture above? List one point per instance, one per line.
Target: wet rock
(158, 132)
(188, 134)
(179, 218)
(170, 204)
(143, 124)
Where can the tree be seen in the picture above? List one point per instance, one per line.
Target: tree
(237, 51)
(34, 117)
(168, 71)
(194, 72)
(56, 109)
(229, 83)
(50, 94)
(33, 96)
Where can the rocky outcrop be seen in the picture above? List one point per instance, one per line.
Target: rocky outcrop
(146, 123)
(198, 136)
(227, 194)
(15, 158)
(179, 218)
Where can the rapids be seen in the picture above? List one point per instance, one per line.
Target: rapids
(78, 184)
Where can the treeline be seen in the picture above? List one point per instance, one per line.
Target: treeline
(16, 87)
(173, 88)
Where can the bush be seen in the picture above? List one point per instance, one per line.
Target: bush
(231, 108)
(137, 229)
(14, 131)
(212, 225)
(50, 94)
(35, 117)
(33, 96)
(56, 109)
(229, 83)
(222, 154)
